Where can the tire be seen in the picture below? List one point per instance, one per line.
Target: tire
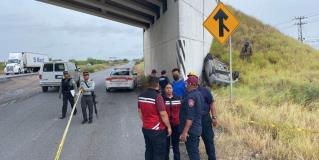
(7, 73)
(108, 90)
(45, 89)
(19, 71)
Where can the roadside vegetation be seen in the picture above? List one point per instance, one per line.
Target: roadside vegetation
(274, 114)
(93, 65)
(2, 67)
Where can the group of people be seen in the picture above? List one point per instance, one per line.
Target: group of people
(68, 89)
(174, 112)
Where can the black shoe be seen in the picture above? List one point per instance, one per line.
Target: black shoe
(74, 113)
(84, 121)
(62, 117)
(90, 121)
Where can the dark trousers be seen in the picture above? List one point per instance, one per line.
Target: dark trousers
(192, 145)
(87, 102)
(67, 97)
(155, 144)
(174, 141)
(208, 137)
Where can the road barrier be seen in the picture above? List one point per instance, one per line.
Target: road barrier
(6, 77)
(60, 148)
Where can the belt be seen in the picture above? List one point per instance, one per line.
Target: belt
(87, 95)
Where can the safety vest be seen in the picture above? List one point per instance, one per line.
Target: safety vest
(173, 106)
(150, 115)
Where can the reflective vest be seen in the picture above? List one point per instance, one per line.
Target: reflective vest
(173, 106)
(150, 115)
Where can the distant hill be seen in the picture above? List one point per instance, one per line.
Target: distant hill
(278, 90)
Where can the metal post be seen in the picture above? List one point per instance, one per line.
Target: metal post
(231, 68)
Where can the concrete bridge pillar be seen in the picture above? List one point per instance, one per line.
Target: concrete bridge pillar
(178, 39)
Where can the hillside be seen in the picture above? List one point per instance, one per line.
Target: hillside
(275, 111)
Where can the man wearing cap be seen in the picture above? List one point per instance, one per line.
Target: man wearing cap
(207, 120)
(67, 89)
(156, 126)
(87, 86)
(190, 118)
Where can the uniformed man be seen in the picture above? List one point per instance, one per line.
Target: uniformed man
(67, 89)
(87, 86)
(156, 125)
(163, 80)
(208, 121)
(190, 118)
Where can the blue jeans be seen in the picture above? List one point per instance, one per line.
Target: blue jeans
(192, 145)
(208, 137)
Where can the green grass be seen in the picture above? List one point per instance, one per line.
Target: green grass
(279, 86)
(2, 67)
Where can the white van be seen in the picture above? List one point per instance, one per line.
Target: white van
(51, 73)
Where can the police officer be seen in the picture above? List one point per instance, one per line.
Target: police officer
(208, 122)
(87, 86)
(190, 118)
(67, 86)
(156, 125)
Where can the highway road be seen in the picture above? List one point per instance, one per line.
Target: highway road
(30, 129)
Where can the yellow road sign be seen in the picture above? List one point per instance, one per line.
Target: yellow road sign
(221, 23)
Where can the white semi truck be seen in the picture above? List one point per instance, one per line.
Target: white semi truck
(24, 62)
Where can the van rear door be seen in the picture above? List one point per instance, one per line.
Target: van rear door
(59, 68)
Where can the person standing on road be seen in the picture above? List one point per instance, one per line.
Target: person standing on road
(173, 105)
(163, 80)
(67, 89)
(190, 118)
(178, 84)
(156, 126)
(87, 86)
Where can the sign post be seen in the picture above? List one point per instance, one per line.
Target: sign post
(221, 23)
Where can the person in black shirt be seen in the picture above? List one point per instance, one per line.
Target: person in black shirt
(67, 89)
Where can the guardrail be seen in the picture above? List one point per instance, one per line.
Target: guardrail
(6, 77)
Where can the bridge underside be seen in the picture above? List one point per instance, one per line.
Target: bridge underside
(174, 36)
(139, 13)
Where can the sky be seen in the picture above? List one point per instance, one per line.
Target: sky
(33, 26)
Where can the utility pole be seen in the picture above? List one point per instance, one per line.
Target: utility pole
(300, 23)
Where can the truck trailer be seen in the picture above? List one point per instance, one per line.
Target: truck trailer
(24, 62)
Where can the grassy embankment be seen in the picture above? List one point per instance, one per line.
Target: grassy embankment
(1, 67)
(275, 113)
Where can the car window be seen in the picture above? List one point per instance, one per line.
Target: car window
(59, 67)
(48, 67)
(120, 73)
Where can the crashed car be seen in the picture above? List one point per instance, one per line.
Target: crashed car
(217, 72)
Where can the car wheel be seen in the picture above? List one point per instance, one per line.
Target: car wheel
(45, 89)
(20, 71)
(108, 90)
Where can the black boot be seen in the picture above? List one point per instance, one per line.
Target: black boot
(84, 121)
(62, 117)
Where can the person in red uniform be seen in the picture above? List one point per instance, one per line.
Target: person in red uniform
(156, 125)
(173, 105)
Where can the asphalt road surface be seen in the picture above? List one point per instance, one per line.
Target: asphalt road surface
(30, 129)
